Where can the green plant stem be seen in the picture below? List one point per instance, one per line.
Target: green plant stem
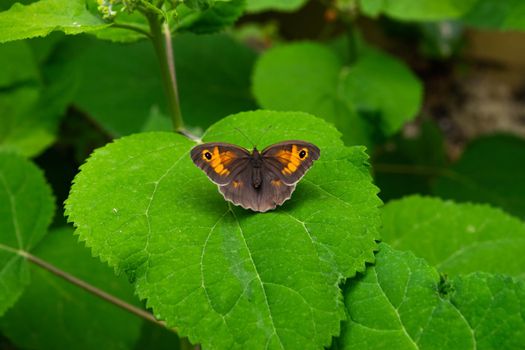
(86, 286)
(161, 38)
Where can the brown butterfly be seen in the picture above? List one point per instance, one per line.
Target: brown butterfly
(259, 181)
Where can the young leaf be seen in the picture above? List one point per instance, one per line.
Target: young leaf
(377, 92)
(456, 238)
(63, 316)
(26, 209)
(493, 306)
(400, 304)
(490, 171)
(224, 276)
(42, 17)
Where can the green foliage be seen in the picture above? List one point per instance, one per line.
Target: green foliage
(504, 15)
(456, 238)
(219, 15)
(423, 10)
(372, 97)
(488, 172)
(304, 276)
(205, 266)
(408, 165)
(124, 111)
(399, 304)
(31, 102)
(493, 306)
(44, 16)
(26, 209)
(276, 5)
(395, 305)
(64, 316)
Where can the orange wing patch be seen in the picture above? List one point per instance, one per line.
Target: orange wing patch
(218, 160)
(291, 159)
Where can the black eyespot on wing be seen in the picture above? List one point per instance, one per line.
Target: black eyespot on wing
(302, 154)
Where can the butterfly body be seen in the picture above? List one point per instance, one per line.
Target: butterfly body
(255, 180)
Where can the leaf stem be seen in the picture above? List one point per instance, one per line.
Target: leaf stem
(89, 288)
(161, 39)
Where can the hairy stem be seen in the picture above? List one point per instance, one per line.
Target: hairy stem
(89, 288)
(161, 38)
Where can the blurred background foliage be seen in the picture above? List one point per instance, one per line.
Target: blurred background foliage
(434, 89)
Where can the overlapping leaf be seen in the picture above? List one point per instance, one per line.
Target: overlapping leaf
(396, 305)
(63, 316)
(493, 306)
(44, 16)
(371, 97)
(227, 277)
(456, 238)
(400, 303)
(26, 209)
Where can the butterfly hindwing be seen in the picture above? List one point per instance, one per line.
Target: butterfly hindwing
(220, 161)
(271, 193)
(290, 160)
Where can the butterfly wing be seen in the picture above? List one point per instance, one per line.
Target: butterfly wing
(222, 162)
(271, 193)
(290, 160)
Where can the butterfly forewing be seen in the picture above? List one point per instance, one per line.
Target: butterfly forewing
(222, 162)
(290, 160)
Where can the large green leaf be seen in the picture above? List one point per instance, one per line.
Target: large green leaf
(276, 5)
(400, 303)
(456, 238)
(63, 316)
(26, 209)
(43, 17)
(227, 277)
(132, 91)
(490, 171)
(375, 95)
(421, 10)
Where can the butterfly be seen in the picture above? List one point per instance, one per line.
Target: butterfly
(255, 180)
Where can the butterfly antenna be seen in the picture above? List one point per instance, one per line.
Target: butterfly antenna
(246, 136)
(265, 131)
